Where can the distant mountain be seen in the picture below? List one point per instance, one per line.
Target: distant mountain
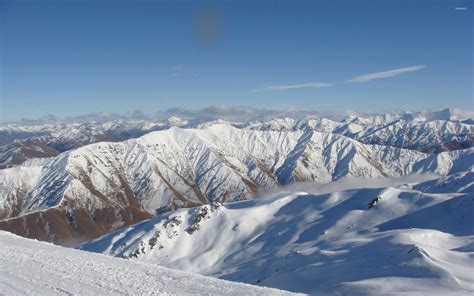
(444, 130)
(83, 193)
(63, 137)
(424, 136)
(415, 238)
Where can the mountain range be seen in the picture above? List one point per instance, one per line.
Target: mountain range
(90, 187)
(436, 131)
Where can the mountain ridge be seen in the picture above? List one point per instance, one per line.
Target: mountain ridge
(358, 241)
(108, 185)
(426, 132)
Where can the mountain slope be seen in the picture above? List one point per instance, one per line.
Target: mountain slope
(424, 136)
(94, 189)
(363, 241)
(38, 268)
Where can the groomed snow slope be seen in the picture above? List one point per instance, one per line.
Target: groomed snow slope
(37, 268)
(415, 238)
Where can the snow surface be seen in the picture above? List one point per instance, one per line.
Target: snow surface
(414, 238)
(29, 267)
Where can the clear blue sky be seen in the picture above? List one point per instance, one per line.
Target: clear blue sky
(74, 57)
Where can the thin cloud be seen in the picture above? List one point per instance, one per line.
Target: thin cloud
(386, 74)
(293, 86)
(177, 68)
(176, 71)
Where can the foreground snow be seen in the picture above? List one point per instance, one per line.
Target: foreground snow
(38, 268)
(413, 238)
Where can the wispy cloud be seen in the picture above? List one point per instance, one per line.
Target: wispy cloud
(293, 86)
(177, 71)
(386, 74)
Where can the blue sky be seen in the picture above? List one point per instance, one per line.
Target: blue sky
(74, 57)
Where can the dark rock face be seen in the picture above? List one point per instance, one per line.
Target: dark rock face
(70, 228)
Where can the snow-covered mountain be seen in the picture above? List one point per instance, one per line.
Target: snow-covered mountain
(342, 212)
(424, 136)
(51, 139)
(37, 268)
(443, 130)
(83, 193)
(414, 238)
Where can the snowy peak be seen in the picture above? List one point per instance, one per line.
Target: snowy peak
(176, 121)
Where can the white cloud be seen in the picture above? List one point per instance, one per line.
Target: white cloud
(386, 74)
(293, 86)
